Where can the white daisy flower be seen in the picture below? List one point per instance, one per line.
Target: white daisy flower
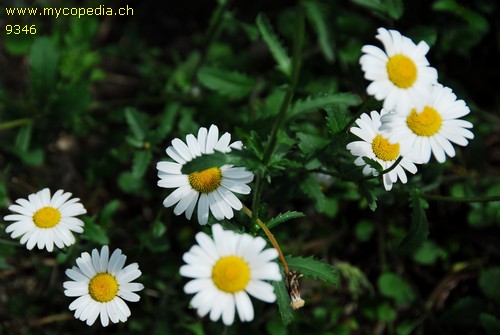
(211, 188)
(225, 270)
(400, 74)
(101, 283)
(375, 145)
(43, 220)
(431, 128)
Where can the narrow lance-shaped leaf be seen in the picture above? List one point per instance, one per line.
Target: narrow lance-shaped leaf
(277, 49)
(316, 17)
(141, 162)
(229, 83)
(313, 268)
(135, 123)
(280, 218)
(419, 227)
(283, 300)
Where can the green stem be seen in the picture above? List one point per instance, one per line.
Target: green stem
(278, 124)
(389, 169)
(444, 198)
(14, 123)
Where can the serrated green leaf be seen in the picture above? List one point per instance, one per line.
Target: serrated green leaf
(275, 46)
(136, 122)
(311, 187)
(313, 268)
(43, 57)
(489, 282)
(490, 324)
(311, 104)
(314, 12)
(394, 286)
(419, 227)
(141, 162)
(309, 143)
(283, 300)
(229, 83)
(336, 119)
(282, 217)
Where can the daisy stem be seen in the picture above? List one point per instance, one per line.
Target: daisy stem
(435, 197)
(271, 238)
(14, 123)
(278, 124)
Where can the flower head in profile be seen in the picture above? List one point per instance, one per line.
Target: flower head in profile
(101, 283)
(225, 270)
(400, 74)
(44, 220)
(375, 145)
(212, 189)
(431, 128)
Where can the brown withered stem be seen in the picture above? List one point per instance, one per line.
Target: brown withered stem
(292, 277)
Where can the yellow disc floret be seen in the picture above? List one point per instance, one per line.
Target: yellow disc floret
(206, 181)
(402, 71)
(383, 149)
(103, 287)
(426, 123)
(231, 274)
(46, 217)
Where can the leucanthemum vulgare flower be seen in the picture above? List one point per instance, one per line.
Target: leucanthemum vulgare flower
(101, 283)
(225, 270)
(375, 145)
(400, 74)
(43, 220)
(212, 189)
(431, 128)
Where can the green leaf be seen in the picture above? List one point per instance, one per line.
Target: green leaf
(312, 104)
(368, 191)
(393, 286)
(136, 122)
(466, 311)
(283, 300)
(419, 227)
(277, 50)
(94, 232)
(373, 163)
(490, 324)
(313, 268)
(336, 118)
(364, 230)
(391, 8)
(228, 83)
(282, 217)
(428, 253)
(311, 187)
(141, 162)
(23, 137)
(108, 211)
(43, 57)
(314, 12)
(309, 143)
(489, 282)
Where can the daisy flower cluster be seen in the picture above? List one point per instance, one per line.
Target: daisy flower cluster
(99, 282)
(228, 267)
(419, 117)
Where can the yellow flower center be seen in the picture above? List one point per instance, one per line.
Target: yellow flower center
(103, 287)
(205, 181)
(46, 217)
(231, 274)
(426, 123)
(402, 71)
(385, 150)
